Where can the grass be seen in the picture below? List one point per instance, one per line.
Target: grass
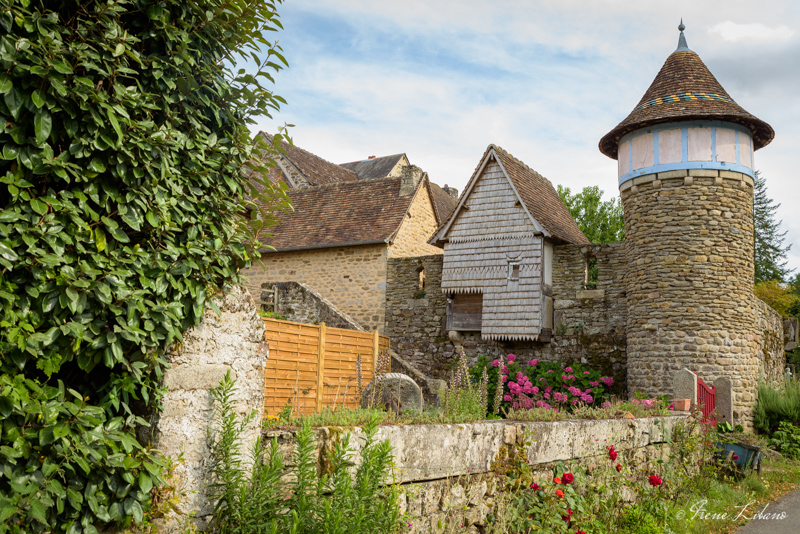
(724, 499)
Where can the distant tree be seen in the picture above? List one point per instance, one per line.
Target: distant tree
(600, 221)
(770, 254)
(779, 295)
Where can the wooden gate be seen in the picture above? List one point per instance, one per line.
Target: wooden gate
(707, 399)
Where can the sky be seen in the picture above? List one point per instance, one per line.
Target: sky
(440, 80)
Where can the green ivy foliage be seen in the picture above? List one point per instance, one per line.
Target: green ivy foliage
(123, 206)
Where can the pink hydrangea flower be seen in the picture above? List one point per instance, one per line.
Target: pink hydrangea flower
(533, 363)
(511, 358)
(505, 378)
(496, 363)
(594, 383)
(546, 395)
(507, 397)
(535, 390)
(586, 372)
(568, 369)
(607, 380)
(606, 404)
(550, 371)
(519, 375)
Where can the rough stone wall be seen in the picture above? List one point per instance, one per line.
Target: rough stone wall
(231, 342)
(301, 304)
(589, 325)
(418, 226)
(352, 278)
(690, 282)
(592, 327)
(771, 353)
(455, 482)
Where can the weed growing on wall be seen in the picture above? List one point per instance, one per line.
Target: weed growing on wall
(257, 493)
(462, 398)
(124, 145)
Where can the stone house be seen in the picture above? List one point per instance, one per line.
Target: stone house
(348, 221)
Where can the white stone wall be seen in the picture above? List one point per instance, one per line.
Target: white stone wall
(232, 341)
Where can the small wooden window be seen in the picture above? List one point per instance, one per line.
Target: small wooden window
(464, 312)
(513, 271)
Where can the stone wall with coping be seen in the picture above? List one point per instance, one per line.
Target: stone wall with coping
(690, 281)
(455, 481)
(231, 342)
(301, 304)
(589, 325)
(352, 278)
(771, 343)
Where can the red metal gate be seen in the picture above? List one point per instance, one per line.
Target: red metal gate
(707, 399)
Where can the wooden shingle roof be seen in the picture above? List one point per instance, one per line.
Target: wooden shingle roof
(342, 214)
(536, 193)
(685, 89)
(369, 169)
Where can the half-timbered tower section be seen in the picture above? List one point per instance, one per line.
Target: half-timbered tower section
(498, 250)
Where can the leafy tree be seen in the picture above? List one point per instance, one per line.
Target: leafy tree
(770, 253)
(600, 221)
(123, 142)
(781, 297)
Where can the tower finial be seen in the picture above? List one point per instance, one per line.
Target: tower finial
(682, 46)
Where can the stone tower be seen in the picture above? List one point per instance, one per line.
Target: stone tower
(685, 157)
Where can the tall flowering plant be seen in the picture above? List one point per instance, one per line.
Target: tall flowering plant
(536, 383)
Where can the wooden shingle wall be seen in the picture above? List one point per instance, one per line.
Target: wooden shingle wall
(483, 240)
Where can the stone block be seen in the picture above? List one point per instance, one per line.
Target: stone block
(590, 294)
(400, 392)
(706, 173)
(646, 179)
(724, 397)
(689, 180)
(684, 386)
(672, 174)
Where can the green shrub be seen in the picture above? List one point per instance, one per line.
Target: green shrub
(786, 440)
(776, 404)
(123, 142)
(263, 499)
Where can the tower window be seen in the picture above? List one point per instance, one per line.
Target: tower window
(513, 271)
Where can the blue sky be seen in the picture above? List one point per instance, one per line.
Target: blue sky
(441, 79)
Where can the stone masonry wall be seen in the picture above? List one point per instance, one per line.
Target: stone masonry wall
(589, 325)
(592, 327)
(771, 353)
(455, 482)
(301, 304)
(232, 341)
(352, 278)
(690, 281)
(418, 226)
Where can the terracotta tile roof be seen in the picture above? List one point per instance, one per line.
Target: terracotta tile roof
(369, 169)
(443, 203)
(317, 170)
(685, 89)
(541, 199)
(340, 214)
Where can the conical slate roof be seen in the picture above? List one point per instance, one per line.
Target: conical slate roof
(685, 90)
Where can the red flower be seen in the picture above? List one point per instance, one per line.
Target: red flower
(619, 468)
(535, 486)
(567, 478)
(654, 480)
(612, 453)
(557, 480)
(567, 517)
(580, 532)
(560, 493)
(735, 456)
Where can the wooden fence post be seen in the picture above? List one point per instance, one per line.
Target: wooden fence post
(320, 365)
(376, 340)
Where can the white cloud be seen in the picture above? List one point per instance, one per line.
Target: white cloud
(732, 32)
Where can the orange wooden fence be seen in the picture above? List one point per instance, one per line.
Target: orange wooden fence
(313, 366)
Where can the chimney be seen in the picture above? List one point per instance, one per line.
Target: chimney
(409, 179)
(452, 191)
